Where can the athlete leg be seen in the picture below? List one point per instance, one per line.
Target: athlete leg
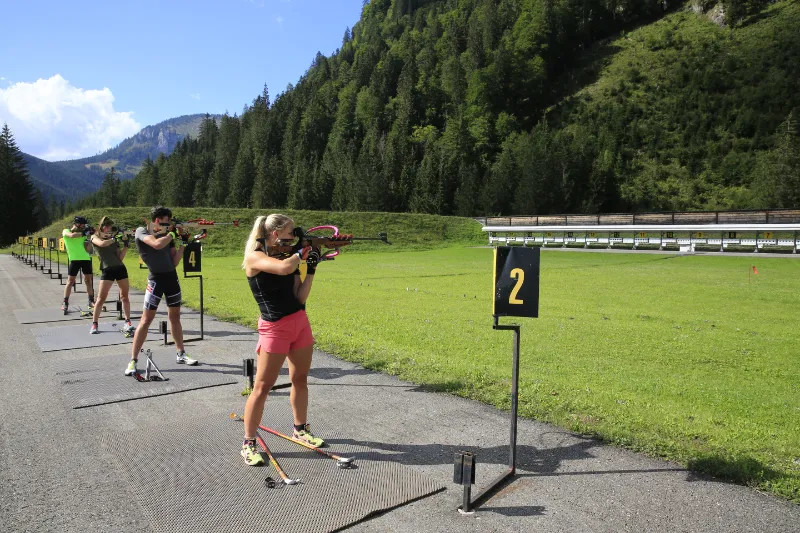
(141, 332)
(68, 288)
(124, 288)
(299, 365)
(88, 279)
(103, 288)
(267, 371)
(174, 314)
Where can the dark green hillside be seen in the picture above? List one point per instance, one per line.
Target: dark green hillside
(690, 115)
(475, 107)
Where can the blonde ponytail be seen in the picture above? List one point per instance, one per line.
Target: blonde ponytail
(262, 227)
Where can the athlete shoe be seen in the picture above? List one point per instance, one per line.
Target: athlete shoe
(183, 359)
(306, 436)
(93, 329)
(251, 455)
(131, 370)
(129, 329)
(64, 305)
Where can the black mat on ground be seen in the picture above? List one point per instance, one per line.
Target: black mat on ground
(208, 488)
(54, 314)
(71, 337)
(101, 380)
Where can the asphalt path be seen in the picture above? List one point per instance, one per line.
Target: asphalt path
(54, 476)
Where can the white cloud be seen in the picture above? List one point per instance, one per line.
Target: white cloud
(195, 96)
(279, 20)
(54, 120)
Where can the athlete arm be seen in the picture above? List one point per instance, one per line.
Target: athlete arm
(302, 288)
(72, 235)
(102, 243)
(258, 260)
(157, 243)
(177, 255)
(121, 253)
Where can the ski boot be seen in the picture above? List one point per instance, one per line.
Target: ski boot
(128, 329)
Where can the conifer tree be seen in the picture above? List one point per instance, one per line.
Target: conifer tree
(20, 201)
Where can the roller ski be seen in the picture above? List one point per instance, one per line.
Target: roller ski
(341, 462)
(151, 371)
(90, 310)
(128, 330)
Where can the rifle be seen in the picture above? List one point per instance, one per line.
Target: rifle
(184, 229)
(332, 243)
(122, 234)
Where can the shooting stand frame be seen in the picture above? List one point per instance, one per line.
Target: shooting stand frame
(469, 504)
(163, 330)
(150, 365)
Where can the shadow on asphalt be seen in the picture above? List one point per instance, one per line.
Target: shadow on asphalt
(531, 461)
(523, 510)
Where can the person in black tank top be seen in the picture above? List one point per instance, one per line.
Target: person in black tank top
(111, 251)
(284, 332)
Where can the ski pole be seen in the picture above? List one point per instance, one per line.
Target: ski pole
(286, 479)
(341, 462)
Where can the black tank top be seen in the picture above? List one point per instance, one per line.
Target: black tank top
(274, 295)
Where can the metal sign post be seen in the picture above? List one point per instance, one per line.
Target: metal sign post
(515, 293)
(192, 262)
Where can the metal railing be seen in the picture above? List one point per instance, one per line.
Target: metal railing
(771, 216)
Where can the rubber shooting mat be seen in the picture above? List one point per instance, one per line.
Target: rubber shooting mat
(54, 314)
(101, 380)
(72, 337)
(205, 486)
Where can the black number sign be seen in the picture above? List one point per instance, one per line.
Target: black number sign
(516, 282)
(192, 256)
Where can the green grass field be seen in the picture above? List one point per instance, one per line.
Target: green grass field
(692, 359)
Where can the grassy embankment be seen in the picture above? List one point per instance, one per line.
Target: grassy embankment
(686, 358)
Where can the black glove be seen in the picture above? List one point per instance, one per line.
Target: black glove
(88, 232)
(313, 259)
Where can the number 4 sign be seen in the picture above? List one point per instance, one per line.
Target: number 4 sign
(192, 256)
(516, 282)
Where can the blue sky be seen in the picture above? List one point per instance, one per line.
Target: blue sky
(77, 77)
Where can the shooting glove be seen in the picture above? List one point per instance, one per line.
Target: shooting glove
(174, 236)
(88, 232)
(313, 260)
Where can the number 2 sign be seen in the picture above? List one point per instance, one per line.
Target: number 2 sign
(516, 282)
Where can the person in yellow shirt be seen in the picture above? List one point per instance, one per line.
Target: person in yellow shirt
(75, 241)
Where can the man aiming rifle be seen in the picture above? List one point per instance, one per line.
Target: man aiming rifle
(160, 247)
(75, 241)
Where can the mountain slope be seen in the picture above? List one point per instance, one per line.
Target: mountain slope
(689, 112)
(72, 179)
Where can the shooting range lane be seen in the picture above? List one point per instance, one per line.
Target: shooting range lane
(54, 314)
(52, 339)
(100, 380)
(212, 490)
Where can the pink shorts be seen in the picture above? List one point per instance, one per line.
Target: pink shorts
(289, 333)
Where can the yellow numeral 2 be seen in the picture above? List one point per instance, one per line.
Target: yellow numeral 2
(519, 275)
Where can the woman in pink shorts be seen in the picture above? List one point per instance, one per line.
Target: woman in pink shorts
(284, 332)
